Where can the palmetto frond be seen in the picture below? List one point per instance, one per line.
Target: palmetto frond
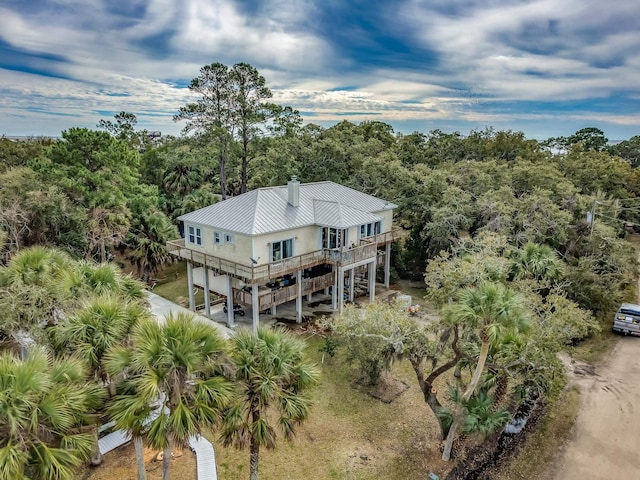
(171, 367)
(43, 402)
(273, 379)
(36, 266)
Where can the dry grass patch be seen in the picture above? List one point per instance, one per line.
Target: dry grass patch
(349, 435)
(595, 349)
(120, 464)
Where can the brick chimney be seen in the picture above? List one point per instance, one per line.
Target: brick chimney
(294, 191)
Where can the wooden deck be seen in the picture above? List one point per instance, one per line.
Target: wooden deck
(257, 274)
(268, 298)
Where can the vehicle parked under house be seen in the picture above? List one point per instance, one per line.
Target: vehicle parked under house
(277, 244)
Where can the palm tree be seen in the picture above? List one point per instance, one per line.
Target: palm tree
(44, 405)
(480, 414)
(272, 373)
(149, 244)
(131, 412)
(101, 324)
(182, 177)
(32, 294)
(535, 261)
(491, 310)
(35, 266)
(89, 333)
(106, 278)
(197, 199)
(178, 365)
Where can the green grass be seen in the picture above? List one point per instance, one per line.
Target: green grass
(172, 285)
(345, 423)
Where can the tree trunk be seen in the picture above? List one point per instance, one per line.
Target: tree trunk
(475, 379)
(147, 275)
(223, 174)
(166, 461)
(245, 161)
(253, 460)
(96, 455)
(448, 445)
(501, 388)
(429, 392)
(137, 443)
(432, 400)
(473, 384)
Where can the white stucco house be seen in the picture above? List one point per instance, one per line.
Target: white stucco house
(277, 244)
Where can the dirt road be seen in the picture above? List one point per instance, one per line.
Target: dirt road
(605, 442)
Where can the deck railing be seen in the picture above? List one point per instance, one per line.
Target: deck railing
(268, 298)
(252, 274)
(347, 256)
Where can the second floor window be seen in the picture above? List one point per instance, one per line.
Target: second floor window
(333, 237)
(370, 229)
(281, 249)
(220, 237)
(195, 235)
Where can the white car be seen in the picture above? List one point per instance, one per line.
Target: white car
(627, 319)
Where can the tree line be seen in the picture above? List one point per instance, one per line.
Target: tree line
(493, 222)
(80, 348)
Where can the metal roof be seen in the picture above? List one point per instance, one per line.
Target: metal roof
(267, 210)
(337, 215)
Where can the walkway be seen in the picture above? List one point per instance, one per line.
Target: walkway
(203, 449)
(113, 440)
(205, 458)
(162, 308)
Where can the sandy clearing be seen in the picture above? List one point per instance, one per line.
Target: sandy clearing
(605, 442)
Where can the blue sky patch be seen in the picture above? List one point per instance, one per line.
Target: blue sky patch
(453, 65)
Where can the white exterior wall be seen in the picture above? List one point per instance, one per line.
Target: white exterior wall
(217, 283)
(387, 219)
(352, 235)
(244, 247)
(305, 240)
(240, 251)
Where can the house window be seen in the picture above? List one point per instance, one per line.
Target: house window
(221, 237)
(281, 249)
(195, 235)
(333, 237)
(370, 229)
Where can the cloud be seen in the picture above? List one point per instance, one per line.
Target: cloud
(70, 62)
(271, 37)
(542, 49)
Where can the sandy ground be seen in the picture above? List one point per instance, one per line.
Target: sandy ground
(605, 443)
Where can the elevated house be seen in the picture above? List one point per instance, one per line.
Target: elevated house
(277, 244)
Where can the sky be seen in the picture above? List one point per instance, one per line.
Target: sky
(543, 67)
